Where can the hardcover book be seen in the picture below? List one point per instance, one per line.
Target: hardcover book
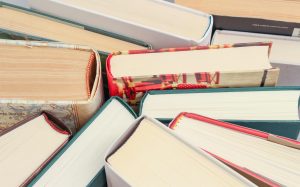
(81, 161)
(266, 159)
(28, 146)
(159, 23)
(35, 76)
(131, 74)
(275, 110)
(24, 24)
(284, 55)
(17, 22)
(149, 153)
(280, 17)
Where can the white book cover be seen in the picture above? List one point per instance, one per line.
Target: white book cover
(284, 53)
(159, 23)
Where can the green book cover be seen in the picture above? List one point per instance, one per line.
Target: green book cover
(107, 123)
(287, 128)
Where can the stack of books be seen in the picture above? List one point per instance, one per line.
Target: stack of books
(149, 93)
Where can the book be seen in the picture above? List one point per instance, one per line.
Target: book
(81, 161)
(35, 76)
(159, 23)
(149, 153)
(263, 157)
(27, 24)
(30, 24)
(280, 17)
(28, 146)
(272, 109)
(130, 74)
(283, 55)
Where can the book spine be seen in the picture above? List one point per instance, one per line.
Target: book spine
(256, 25)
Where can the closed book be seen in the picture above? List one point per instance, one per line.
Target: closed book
(35, 76)
(284, 54)
(265, 159)
(271, 109)
(159, 23)
(81, 161)
(28, 146)
(148, 153)
(28, 24)
(131, 74)
(280, 17)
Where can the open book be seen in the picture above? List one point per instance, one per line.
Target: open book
(264, 158)
(30, 24)
(149, 153)
(131, 74)
(156, 22)
(36, 76)
(81, 162)
(284, 55)
(28, 146)
(280, 17)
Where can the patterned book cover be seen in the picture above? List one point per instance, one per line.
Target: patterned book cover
(132, 89)
(74, 114)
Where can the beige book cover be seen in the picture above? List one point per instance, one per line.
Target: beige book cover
(61, 78)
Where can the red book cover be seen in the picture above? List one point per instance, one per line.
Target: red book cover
(132, 88)
(253, 176)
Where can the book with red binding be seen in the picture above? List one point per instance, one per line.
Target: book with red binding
(130, 74)
(28, 146)
(265, 159)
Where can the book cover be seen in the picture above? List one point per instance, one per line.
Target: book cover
(145, 150)
(36, 139)
(105, 42)
(166, 105)
(186, 123)
(83, 156)
(272, 17)
(75, 113)
(132, 87)
(284, 53)
(87, 35)
(155, 26)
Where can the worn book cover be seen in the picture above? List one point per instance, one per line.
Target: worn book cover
(45, 80)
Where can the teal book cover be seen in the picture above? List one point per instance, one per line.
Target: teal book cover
(102, 129)
(287, 128)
